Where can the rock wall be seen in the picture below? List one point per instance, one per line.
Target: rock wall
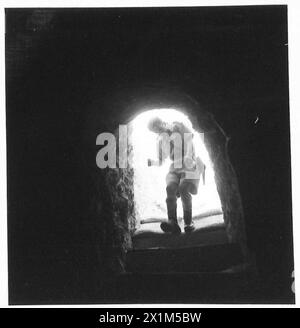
(113, 214)
(227, 184)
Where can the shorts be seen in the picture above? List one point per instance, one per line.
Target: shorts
(179, 177)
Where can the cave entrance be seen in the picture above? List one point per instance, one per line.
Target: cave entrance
(150, 185)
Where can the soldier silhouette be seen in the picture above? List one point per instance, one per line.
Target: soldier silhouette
(184, 173)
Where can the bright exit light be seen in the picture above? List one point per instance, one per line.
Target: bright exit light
(150, 183)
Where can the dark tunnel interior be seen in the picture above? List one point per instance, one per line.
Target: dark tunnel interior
(74, 73)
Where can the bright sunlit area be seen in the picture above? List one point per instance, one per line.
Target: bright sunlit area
(150, 182)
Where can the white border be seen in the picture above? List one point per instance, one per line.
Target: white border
(294, 82)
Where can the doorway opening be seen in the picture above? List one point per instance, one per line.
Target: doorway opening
(149, 181)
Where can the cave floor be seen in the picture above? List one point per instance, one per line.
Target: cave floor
(209, 231)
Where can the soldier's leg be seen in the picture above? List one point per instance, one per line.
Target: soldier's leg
(172, 181)
(172, 201)
(185, 190)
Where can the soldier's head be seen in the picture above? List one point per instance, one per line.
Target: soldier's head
(157, 125)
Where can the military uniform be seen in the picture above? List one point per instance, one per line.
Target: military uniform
(184, 173)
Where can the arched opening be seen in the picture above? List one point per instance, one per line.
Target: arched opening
(149, 181)
(138, 244)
